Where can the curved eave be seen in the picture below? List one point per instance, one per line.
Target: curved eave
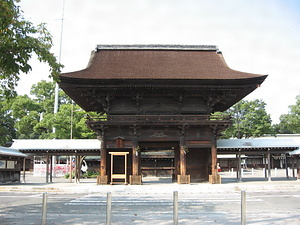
(77, 88)
(64, 81)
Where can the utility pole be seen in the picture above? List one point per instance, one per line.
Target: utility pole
(59, 60)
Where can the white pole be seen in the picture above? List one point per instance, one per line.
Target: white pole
(243, 207)
(59, 60)
(108, 209)
(275, 171)
(175, 207)
(44, 209)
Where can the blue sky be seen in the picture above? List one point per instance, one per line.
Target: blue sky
(258, 36)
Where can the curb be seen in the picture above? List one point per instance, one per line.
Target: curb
(152, 188)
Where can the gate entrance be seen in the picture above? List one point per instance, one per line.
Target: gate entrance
(158, 161)
(118, 167)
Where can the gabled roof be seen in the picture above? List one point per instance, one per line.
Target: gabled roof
(283, 145)
(56, 144)
(256, 144)
(200, 62)
(10, 152)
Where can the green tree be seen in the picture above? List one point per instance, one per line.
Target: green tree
(7, 130)
(69, 122)
(19, 39)
(26, 114)
(250, 119)
(27, 118)
(290, 123)
(43, 93)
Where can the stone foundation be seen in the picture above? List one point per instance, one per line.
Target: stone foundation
(183, 179)
(135, 180)
(214, 179)
(102, 180)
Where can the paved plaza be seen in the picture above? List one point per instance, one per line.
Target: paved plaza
(267, 202)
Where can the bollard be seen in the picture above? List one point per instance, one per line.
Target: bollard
(108, 209)
(275, 171)
(175, 207)
(44, 209)
(252, 171)
(243, 207)
(232, 172)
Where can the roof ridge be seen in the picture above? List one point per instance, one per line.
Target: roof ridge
(157, 47)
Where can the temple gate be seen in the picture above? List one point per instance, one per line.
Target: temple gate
(159, 98)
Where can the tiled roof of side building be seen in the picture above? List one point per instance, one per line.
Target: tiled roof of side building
(202, 62)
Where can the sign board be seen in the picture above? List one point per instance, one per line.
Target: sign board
(59, 170)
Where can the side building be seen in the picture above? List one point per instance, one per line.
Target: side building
(11, 162)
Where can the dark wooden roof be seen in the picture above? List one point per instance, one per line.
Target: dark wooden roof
(151, 69)
(158, 62)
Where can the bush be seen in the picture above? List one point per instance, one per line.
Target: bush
(91, 174)
(67, 175)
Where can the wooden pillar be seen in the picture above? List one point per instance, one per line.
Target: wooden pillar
(237, 165)
(135, 160)
(102, 178)
(183, 178)
(24, 170)
(5, 172)
(78, 168)
(103, 160)
(51, 168)
(47, 167)
(286, 167)
(182, 157)
(293, 166)
(135, 178)
(265, 165)
(298, 166)
(214, 169)
(70, 169)
(214, 178)
(269, 165)
(176, 163)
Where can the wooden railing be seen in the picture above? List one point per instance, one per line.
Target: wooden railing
(130, 119)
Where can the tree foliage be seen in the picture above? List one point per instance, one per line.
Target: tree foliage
(250, 119)
(290, 123)
(19, 39)
(7, 131)
(25, 117)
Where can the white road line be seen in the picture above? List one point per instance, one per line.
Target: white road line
(93, 201)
